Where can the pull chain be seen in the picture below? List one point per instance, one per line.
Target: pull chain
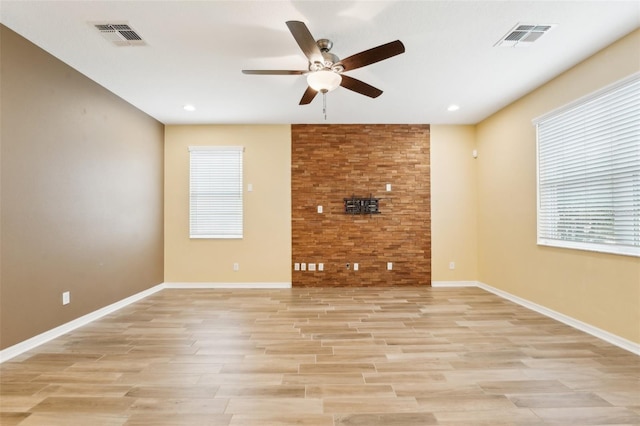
(324, 104)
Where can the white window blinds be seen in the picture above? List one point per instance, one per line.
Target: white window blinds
(589, 172)
(215, 192)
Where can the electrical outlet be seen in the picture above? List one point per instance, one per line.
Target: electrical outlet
(312, 266)
(452, 265)
(66, 297)
(389, 266)
(303, 266)
(296, 266)
(236, 267)
(355, 266)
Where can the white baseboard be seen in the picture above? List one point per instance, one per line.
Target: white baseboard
(565, 319)
(228, 285)
(445, 284)
(577, 324)
(17, 349)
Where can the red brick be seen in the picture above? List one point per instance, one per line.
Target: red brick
(332, 162)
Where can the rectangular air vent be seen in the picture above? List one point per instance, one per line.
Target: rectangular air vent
(120, 34)
(523, 35)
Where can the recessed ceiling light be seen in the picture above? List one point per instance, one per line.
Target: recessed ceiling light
(453, 108)
(189, 107)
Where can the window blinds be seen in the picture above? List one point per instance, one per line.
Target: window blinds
(589, 172)
(215, 192)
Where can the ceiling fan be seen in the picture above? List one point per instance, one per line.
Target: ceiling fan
(325, 71)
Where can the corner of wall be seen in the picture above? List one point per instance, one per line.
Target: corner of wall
(454, 201)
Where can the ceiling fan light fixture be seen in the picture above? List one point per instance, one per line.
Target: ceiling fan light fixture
(324, 80)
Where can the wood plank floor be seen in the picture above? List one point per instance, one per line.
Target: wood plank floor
(339, 356)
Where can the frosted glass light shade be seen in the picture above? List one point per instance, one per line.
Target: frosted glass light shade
(324, 80)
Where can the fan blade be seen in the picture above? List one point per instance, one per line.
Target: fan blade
(308, 96)
(305, 40)
(359, 86)
(274, 72)
(373, 55)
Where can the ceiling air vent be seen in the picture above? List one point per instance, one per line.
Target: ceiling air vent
(120, 34)
(523, 35)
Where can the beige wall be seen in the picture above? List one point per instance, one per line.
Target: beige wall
(453, 203)
(264, 254)
(81, 194)
(600, 289)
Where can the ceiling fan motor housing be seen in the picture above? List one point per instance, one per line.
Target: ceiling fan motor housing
(330, 61)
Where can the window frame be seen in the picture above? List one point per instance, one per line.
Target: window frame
(210, 227)
(633, 83)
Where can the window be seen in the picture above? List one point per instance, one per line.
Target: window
(215, 191)
(589, 172)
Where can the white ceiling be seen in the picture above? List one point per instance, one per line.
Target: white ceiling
(196, 50)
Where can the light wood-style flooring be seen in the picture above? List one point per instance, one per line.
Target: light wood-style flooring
(333, 356)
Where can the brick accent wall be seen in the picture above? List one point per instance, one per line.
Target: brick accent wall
(333, 162)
